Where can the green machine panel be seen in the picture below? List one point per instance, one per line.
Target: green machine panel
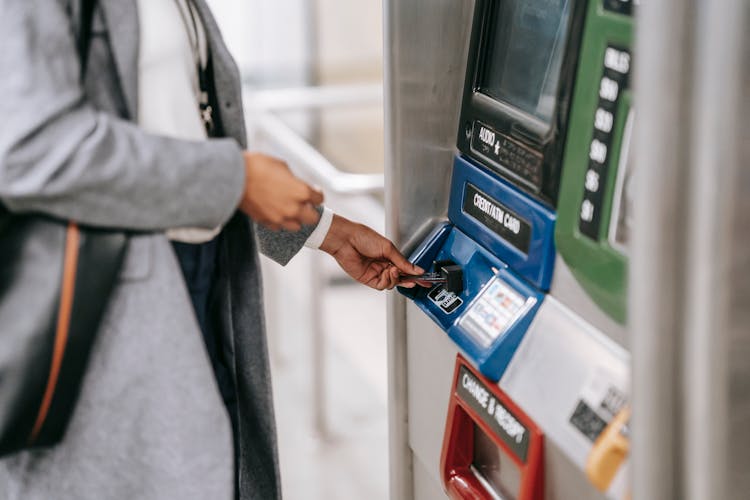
(594, 206)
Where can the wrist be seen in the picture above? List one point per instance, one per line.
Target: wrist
(337, 236)
(318, 235)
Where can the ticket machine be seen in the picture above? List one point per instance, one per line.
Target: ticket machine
(517, 376)
(511, 174)
(499, 237)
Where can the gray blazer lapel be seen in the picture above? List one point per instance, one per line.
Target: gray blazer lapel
(121, 17)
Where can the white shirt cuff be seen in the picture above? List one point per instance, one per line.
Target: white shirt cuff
(319, 234)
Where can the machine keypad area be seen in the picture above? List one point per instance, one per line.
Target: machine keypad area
(508, 155)
(616, 69)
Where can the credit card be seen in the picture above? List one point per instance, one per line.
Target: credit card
(426, 278)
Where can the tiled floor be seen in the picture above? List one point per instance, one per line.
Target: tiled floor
(350, 460)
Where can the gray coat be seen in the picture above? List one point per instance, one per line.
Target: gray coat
(150, 422)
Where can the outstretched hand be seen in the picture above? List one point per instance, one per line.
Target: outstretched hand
(367, 256)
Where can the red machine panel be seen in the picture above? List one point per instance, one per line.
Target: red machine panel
(491, 449)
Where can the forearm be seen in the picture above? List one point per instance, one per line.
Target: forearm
(102, 171)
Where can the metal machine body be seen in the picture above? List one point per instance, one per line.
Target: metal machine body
(529, 185)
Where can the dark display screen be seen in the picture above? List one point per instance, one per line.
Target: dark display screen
(523, 54)
(495, 467)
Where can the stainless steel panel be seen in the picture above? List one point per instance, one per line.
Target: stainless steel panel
(426, 45)
(425, 57)
(431, 361)
(425, 487)
(717, 256)
(400, 472)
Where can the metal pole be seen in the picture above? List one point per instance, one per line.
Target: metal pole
(400, 473)
(713, 170)
(657, 281)
(688, 408)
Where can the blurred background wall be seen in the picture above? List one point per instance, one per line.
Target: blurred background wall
(326, 333)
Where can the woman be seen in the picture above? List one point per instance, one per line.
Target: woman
(152, 140)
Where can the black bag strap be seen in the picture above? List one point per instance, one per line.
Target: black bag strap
(84, 34)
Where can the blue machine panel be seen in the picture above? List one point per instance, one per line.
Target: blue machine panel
(490, 316)
(513, 226)
(503, 242)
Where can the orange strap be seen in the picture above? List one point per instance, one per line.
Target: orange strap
(70, 264)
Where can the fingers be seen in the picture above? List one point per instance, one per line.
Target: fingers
(291, 225)
(293, 216)
(411, 283)
(406, 267)
(308, 215)
(305, 193)
(408, 284)
(382, 276)
(294, 220)
(387, 280)
(315, 196)
(275, 197)
(391, 277)
(302, 211)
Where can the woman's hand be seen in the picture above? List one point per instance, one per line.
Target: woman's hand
(275, 197)
(367, 256)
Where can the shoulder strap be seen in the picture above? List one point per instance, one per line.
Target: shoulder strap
(84, 35)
